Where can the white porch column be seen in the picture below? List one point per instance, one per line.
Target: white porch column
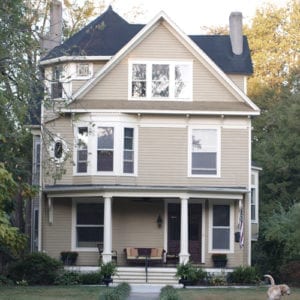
(184, 237)
(107, 234)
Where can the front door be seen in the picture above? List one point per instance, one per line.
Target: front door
(195, 230)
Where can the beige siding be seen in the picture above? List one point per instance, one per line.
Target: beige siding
(206, 86)
(57, 236)
(134, 225)
(239, 80)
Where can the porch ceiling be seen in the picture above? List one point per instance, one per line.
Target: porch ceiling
(145, 191)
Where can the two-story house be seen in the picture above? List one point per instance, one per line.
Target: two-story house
(146, 142)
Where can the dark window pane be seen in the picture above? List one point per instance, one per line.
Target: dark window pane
(128, 167)
(204, 163)
(128, 132)
(90, 214)
(82, 155)
(221, 215)
(138, 89)
(58, 149)
(89, 236)
(56, 90)
(82, 167)
(221, 238)
(105, 161)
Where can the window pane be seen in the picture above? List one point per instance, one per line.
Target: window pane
(89, 236)
(81, 167)
(128, 167)
(82, 152)
(128, 155)
(221, 237)
(204, 140)
(58, 149)
(105, 138)
(90, 213)
(182, 81)
(82, 155)
(138, 89)
(105, 160)
(160, 80)
(221, 215)
(138, 72)
(204, 162)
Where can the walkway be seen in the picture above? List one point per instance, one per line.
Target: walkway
(145, 291)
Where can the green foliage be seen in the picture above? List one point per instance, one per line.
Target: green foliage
(290, 273)
(168, 293)
(67, 278)
(120, 292)
(68, 257)
(11, 240)
(244, 275)
(108, 269)
(191, 273)
(5, 281)
(90, 278)
(36, 268)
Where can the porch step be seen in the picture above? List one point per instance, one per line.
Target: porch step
(138, 275)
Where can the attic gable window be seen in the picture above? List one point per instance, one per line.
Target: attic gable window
(83, 70)
(162, 80)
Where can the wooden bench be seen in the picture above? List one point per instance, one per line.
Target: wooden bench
(144, 255)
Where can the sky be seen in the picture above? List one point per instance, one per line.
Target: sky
(192, 15)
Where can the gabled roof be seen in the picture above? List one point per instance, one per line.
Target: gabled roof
(108, 33)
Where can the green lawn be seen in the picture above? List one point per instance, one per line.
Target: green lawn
(92, 292)
(232, 293)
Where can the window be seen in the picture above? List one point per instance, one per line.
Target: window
(82, 149)
(221, 227)
(82, 69)
(254, 196)
(128, 155)
(161, 80)
(204, 152)
(58, 150)
(89, 224)
(56, 85)
(105, 152)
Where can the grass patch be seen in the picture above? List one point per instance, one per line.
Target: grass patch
(50, 292)
(231, 293)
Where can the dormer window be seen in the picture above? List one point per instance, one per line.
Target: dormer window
(83, 70)
(163, 80)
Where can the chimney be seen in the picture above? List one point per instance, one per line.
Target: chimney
(54, 37)
(236, 32)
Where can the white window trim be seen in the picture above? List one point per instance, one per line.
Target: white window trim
(74, 71)
(254, 185)
(118, 149)
(74, 224)
(189, 160)
(148, 63)
(231, 230)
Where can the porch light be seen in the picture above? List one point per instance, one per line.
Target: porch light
(159, 221)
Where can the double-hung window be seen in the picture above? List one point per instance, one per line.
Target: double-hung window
(128, 151)
(56, 84)
(204, 152)
(82, 149)
(89, 224)
(167, 80)
(105, 150)
(221, 227)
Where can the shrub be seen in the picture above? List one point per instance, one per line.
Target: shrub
(244, 275)
(290, 273)
(190, 273)
(68, 257)
(36, 268)
(67, 278)
(5, 281)
(168, 293)
(108, 269)
(120, 292)
(90, 278)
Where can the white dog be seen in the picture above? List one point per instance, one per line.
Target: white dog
(276, 291)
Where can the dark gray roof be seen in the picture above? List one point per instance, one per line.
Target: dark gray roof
(108, 33)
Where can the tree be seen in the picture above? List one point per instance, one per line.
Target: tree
(274, 42)
(11, 239)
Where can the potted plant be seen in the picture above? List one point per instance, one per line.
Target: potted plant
(187, 274)
(220, 260)
(107, 270)
(69, 257)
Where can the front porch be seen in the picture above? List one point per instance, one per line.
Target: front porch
(178, 220)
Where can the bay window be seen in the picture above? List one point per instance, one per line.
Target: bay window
(161, 80)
